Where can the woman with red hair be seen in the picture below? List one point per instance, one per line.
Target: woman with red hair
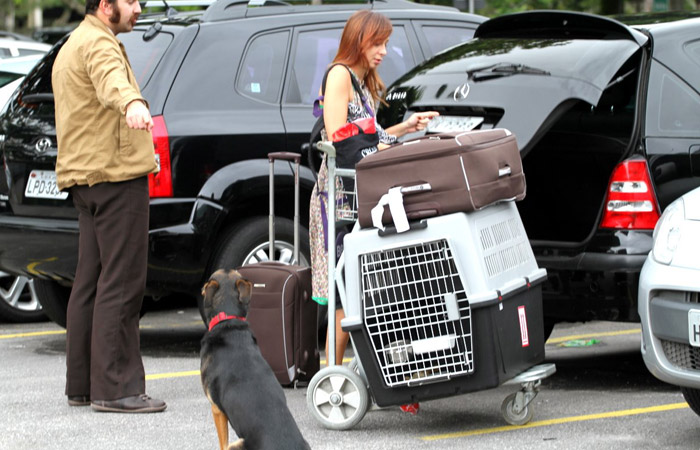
(363, 45)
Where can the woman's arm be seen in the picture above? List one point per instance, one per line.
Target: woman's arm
(416, 122)
(335, 102)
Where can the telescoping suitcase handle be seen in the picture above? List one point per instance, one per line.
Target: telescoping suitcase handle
(296, 158)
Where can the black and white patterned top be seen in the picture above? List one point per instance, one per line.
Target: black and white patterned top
(356, 110)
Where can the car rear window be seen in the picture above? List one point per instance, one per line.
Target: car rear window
(440, 37)
(144, 56)
(315, 49)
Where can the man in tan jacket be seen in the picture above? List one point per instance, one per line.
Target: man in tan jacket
(105, 153)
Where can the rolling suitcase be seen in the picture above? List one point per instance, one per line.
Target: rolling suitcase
(443, 173)
(282, 315)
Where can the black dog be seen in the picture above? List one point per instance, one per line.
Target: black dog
(238, 382)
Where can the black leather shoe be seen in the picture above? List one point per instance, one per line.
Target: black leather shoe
(78, 400)
(135, 404)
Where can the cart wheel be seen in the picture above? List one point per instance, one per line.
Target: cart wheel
(337, 398)
(512, 417)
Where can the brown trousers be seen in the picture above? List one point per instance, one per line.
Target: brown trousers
(103, 355)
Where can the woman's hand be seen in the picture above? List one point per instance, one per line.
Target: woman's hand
(418, 121)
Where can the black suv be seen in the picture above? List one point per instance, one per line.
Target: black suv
(225, 87)
(607, 118)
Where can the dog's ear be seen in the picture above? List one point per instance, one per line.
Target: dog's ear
(245, 290)
(209, 288)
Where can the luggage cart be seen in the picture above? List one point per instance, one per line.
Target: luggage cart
(452, 306)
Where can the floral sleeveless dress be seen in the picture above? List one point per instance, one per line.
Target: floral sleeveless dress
(318, 207)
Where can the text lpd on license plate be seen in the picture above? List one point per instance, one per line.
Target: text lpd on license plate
(42, 184)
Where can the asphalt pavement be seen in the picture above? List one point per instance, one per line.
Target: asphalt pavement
(601, 397)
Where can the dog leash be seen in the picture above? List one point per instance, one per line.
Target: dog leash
(221, 317)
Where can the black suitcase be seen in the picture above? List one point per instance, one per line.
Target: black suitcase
(282, 315)
(443, 173)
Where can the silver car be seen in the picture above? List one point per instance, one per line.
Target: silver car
(12, 48)
(669, 299)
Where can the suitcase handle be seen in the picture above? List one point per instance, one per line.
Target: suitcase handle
(416, 189)
(503, 171)
(287, 156)
(296, 158)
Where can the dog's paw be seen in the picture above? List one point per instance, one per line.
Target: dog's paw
(238, 445)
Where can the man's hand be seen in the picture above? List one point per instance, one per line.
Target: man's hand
(138, 117)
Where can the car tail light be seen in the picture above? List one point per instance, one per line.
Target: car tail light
(630, 202)
(161, 183)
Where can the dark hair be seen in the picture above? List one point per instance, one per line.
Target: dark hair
(91, 5)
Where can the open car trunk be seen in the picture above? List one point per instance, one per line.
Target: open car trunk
(568, 168)
(568, 94)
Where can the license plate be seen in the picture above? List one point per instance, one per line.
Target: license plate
(446, 124)
(694, 327)
(42, 184)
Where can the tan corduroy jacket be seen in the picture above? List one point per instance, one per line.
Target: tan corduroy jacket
(92, 85)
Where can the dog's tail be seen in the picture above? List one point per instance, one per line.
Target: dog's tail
(238, 445)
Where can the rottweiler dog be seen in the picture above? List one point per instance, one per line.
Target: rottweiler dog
(238, 382)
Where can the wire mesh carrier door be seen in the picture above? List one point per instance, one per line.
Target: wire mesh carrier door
(416, 313)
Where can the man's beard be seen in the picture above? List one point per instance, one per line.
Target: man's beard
(116, 15)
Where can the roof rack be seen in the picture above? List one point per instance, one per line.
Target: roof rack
(171, 15)
(233, 9)
(173, 3)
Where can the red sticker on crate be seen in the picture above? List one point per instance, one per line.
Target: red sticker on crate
(524, 338)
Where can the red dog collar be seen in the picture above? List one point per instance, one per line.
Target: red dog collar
(222, 317)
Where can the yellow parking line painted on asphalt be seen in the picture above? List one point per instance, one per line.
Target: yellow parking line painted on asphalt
(160, 376)
(592, 335)
(170, 326)
(33, 333)
(324, 362)
(561, 420)
(51, 332)
(191, 373)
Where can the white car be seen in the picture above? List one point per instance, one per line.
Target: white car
(12, 72)
(12, 48)
(669, 299)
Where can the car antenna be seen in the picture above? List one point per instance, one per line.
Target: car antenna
(154, 29)
(170, 12)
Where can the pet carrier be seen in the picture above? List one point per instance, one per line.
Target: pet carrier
(453, 305)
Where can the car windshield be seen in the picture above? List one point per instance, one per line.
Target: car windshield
(21, 64)
(8, 77)
(592, 61)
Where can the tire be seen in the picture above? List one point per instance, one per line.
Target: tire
(337, 398)
(248, 241)
(692, 396)
(54, 300)
(19, 301)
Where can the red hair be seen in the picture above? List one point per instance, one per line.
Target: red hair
(364, 29)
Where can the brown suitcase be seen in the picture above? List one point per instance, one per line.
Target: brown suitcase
(442, 174)
(282, 315)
